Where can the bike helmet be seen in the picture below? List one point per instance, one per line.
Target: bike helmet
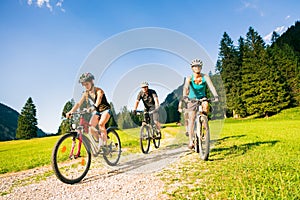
(85, 77)
(196, 62)
(144, 84)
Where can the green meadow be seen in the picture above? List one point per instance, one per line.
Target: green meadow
(20, 155)
(251, 159)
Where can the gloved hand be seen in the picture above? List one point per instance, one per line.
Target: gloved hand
(185, 99)
(134, 112)
(216, 99)
(91, 109)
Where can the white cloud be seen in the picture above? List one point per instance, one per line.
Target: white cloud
(41, 3)
(29, 2)
(59, 4)
(252, 5)
(287, 17)
(279, 30)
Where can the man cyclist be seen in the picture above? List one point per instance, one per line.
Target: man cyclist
(100, 105)
(195, 88)
(150, 100)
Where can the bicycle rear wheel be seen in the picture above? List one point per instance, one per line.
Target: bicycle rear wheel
(145, 139)
(71, 159)
(113, 151)
(204, 139)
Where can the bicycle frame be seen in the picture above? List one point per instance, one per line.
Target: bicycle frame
(148, 119)
(83, 128)
(71, 167)
(202, 135)
(149, 132)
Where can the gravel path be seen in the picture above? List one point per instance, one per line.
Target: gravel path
(134, 178)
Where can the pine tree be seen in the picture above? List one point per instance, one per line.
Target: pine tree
(66, 123)
(287, 63)
(229, 68)
(124, 119)
(253, 62)
(27, 121)
(240, 108)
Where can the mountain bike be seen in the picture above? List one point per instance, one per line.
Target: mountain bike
(149, 132)
(202, 137)
(72, 153)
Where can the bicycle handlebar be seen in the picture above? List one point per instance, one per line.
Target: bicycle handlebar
(200, 100)
(151, 112)
(82, 112)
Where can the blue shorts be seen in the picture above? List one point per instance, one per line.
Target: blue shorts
(105, 111)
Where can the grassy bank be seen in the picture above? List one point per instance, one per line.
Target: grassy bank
(20, 155)
(253, 159)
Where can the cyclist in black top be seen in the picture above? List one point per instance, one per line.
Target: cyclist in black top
(150, 100)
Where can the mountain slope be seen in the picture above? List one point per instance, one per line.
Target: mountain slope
(9, 123)
(291, 37)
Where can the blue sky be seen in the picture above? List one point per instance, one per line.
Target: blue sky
(44, 43)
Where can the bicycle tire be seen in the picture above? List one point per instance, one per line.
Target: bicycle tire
(204, 139)
(68, 167)
(113, 154)
(197, 130)
(156, 138)
(145, 139)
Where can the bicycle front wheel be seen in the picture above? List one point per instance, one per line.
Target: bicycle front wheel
(113, 151)
(204, 139)
(156, 138)
(145, 139)
(71, 158)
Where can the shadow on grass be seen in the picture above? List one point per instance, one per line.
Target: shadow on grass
(220, 153)
(218, 141)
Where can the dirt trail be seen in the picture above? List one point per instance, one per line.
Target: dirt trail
(133, 178)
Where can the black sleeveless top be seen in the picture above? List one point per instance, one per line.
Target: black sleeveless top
(104, 105)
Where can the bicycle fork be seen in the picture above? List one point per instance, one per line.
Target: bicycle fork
(79, 137)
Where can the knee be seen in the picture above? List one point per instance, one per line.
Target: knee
(102, 125)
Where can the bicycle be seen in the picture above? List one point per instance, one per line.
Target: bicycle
(72, 153)
(149, 132)
(201, 139)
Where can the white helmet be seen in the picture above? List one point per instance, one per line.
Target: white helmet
(144, 84)
(196, 62)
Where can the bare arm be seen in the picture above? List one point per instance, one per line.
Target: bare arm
(180, 106)
(77, 105)
(136, 104)
(186, 85)
(100, 93)
(211, 86)
(156, 102)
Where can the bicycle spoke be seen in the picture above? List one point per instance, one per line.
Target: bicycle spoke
(112, 151)
(70, 161)
(145, 139)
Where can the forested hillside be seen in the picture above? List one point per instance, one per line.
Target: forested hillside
(291, 37)
(9, 123)
(258, 78)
